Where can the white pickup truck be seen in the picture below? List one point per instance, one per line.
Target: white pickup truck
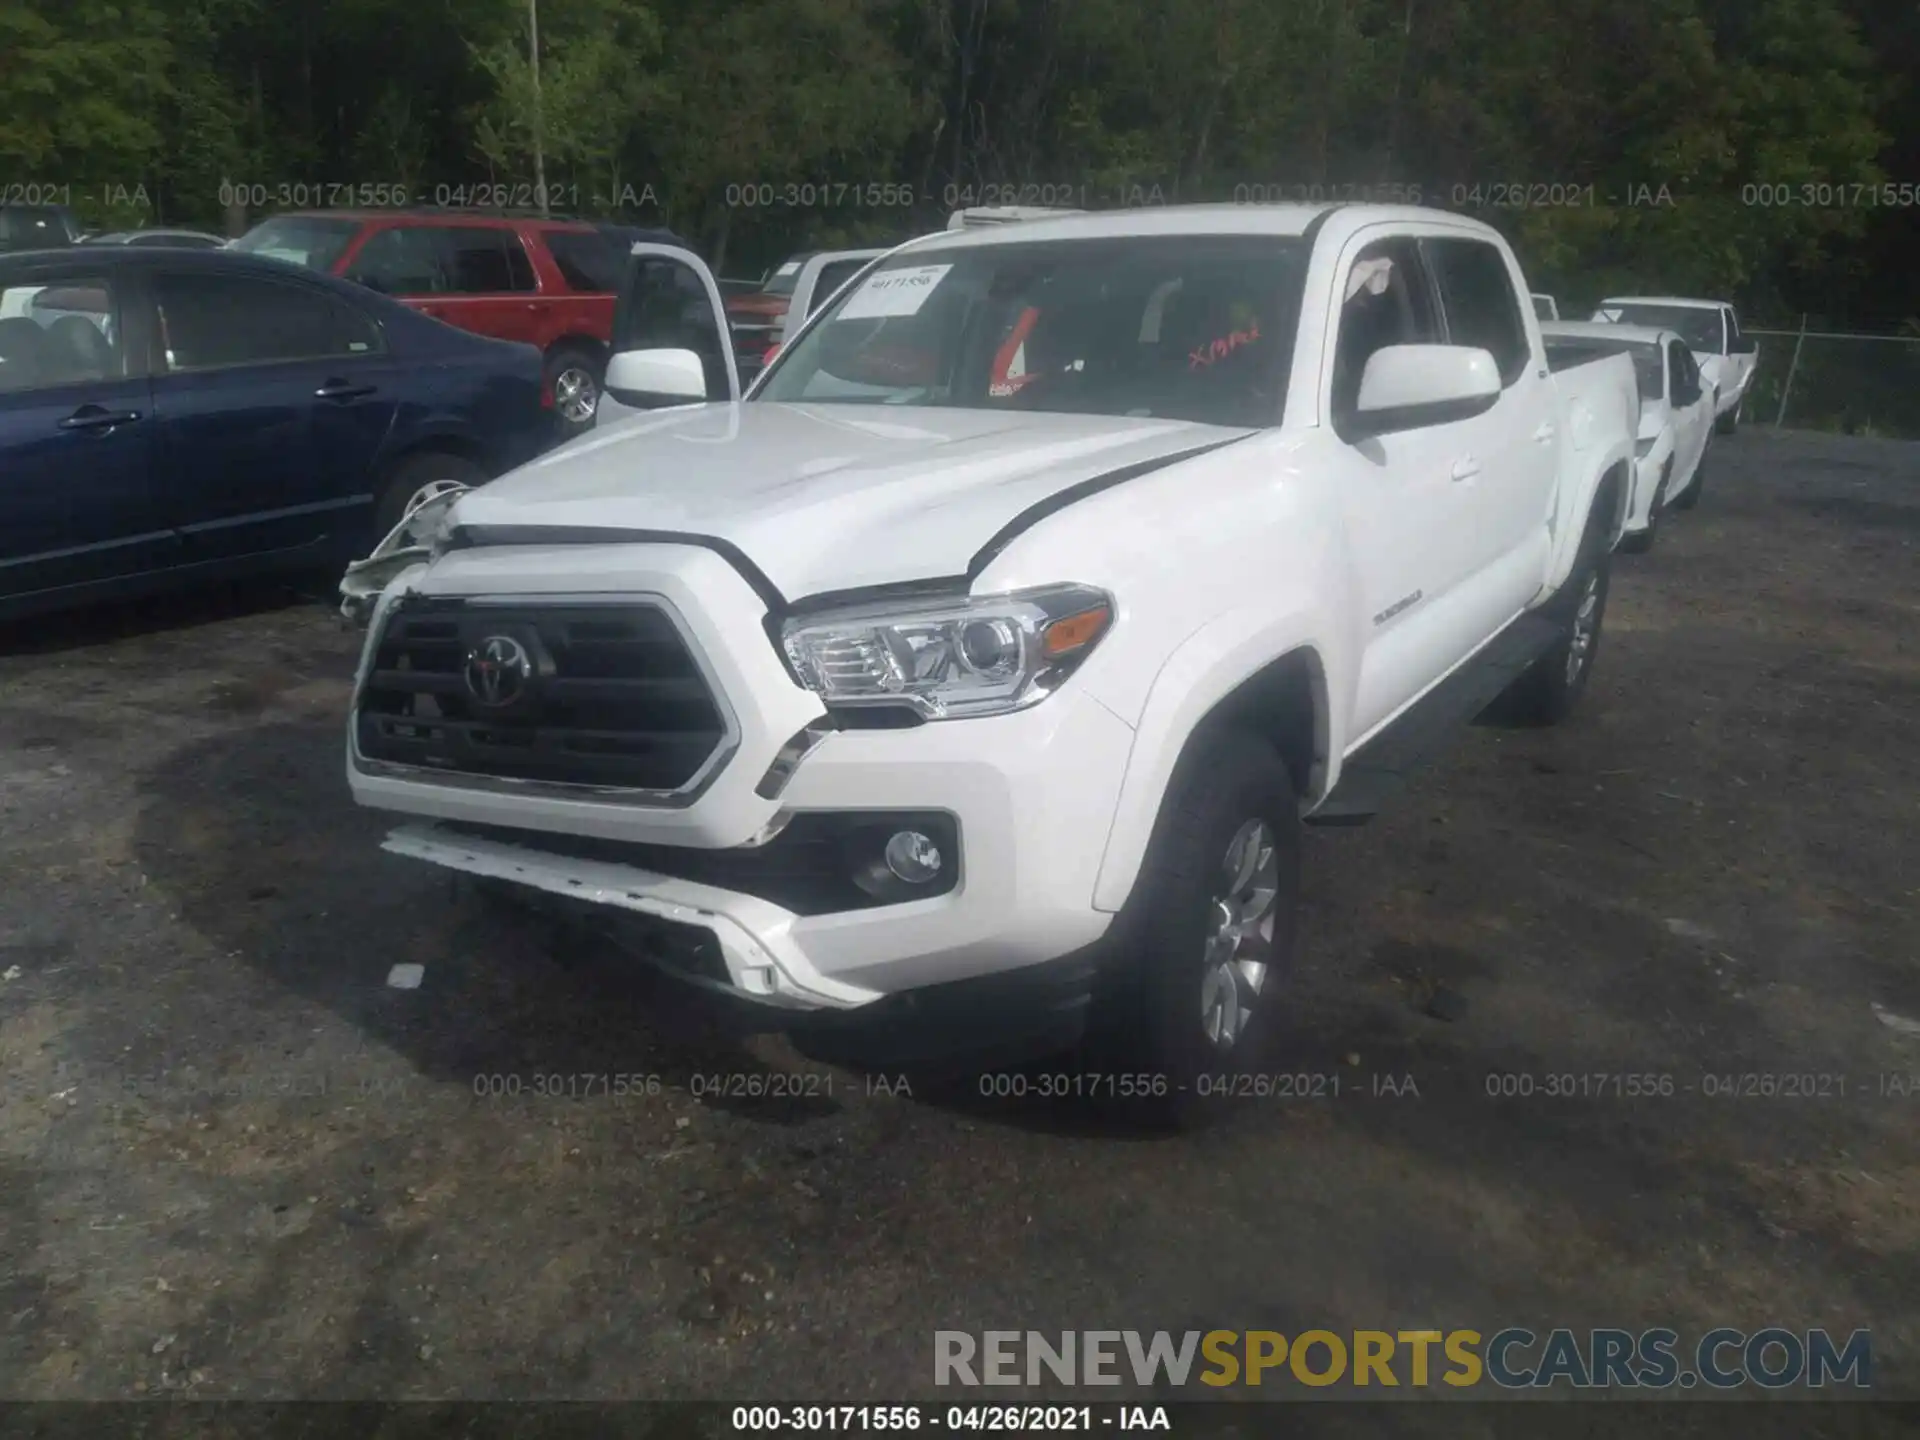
(953, 700)
(1726, 357)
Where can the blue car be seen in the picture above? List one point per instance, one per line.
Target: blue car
(171, 415)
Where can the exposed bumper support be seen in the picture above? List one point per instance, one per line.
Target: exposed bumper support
(749, 931)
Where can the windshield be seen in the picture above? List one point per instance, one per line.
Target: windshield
(300, 239)
(1697, 325)
(1191, 327)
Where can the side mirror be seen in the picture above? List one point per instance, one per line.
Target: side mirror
(648, 379)
(1405, 387)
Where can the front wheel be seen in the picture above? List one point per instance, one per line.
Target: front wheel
(418, 480)
(1641, 541)
(1690, 497)
(1198, 952)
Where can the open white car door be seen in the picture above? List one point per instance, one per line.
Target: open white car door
(671, 344)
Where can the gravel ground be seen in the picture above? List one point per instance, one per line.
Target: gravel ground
(236, 1162)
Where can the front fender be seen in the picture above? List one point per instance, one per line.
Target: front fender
(1203, 672)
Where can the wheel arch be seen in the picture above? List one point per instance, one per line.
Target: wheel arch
(577, 340)
(1283, 699)
(433, 442)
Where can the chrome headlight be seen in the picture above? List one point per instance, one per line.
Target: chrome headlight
(974, 655)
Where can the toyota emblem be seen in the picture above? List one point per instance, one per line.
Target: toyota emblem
(498, 671)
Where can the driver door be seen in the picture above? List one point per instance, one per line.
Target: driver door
(669, 300)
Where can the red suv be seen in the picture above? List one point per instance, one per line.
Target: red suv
(548, 283)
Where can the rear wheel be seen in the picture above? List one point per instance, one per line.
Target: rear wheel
(419, 479)
(1198, 952)
(1728, 423)
(573, 376)
(1550, 688)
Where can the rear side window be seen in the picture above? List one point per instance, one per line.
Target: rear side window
(480, 260)
(1482, 308)
(589, 263)
(1389, 301)
(210, 322)
(401, 260)
(59, 333)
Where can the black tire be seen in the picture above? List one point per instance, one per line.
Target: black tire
(1547, 692)
(1640, 542)
(574, 376)
(1151, 1013)
(1690, 497)
(413, 475)
(1728, 423)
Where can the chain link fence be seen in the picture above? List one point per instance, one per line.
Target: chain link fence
(1809, 378)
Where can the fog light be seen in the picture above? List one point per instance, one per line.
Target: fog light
(912, 856)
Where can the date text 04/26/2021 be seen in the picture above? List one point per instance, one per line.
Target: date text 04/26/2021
(992, 1419)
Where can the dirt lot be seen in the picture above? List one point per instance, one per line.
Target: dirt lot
(235, 1162)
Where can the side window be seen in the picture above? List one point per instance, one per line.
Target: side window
(401, 260)
(1389, 301)
(478, 261)
(212, 322)
(64, 332)
(832, 276)
(588, 263)
(1482, 308)
(668, 308)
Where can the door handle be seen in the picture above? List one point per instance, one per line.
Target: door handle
(342, 390)
(1466, 468)
(1544, 434)
(92, 417)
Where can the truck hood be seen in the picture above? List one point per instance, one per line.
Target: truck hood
(825, 497)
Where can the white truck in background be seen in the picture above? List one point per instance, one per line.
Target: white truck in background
(938, 701)
(1726, 357)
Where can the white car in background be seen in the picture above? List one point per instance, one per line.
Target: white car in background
(1712, 331)
(1676, 415)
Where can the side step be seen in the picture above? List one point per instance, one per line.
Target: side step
(1375, 774)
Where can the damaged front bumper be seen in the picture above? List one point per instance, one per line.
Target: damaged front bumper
(414, 541)
(749, 962)
(752, 955)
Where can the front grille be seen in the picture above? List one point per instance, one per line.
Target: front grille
(599, 695)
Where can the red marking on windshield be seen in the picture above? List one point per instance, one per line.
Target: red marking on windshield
(1200, 357)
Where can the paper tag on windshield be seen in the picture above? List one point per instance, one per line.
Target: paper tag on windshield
(893, 292)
